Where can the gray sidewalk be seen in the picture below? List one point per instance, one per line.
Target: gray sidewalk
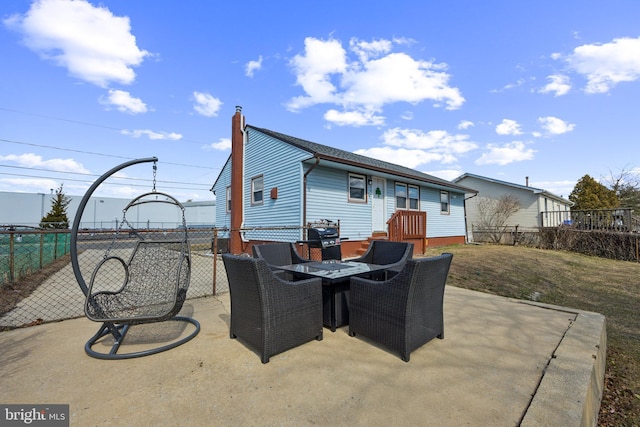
(502, 362)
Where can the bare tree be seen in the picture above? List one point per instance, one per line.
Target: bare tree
(626, 185)
(494, 213)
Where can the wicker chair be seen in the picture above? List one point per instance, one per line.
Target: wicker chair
(393, 255)
(278, 254)
(271, 314)
(405, 311)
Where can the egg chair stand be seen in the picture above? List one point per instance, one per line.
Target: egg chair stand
(148, 285)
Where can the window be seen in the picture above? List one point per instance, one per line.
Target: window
(401, 196)
(407, 196)
(257, 190)
(414, 197)
(357, 188)
(444, 202)
(228, 199)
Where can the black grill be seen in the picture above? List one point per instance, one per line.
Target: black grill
(327, 238)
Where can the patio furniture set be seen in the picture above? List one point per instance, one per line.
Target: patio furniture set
(280, 300)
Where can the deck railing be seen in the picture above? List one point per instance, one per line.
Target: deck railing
(406, 225)
(620, 219)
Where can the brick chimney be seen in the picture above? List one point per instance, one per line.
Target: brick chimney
(526, 180)
(237, 173)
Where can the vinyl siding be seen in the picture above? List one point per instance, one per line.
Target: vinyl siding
(223, 218)
(281, 165)
(438, 224)
(531, 204)
(327, 198)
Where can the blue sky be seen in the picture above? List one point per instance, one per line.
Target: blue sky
(503, 89)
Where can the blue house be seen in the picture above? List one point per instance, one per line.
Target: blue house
(276, 180)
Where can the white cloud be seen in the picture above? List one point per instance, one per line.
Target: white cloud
(367, 77)
(412, 147)
(152, 134)
(124, 102)
(206, 104)
(559, 85)
(508, 127)
(223, 144)
(32, 160)
(447, 174)
(515, 151)
(436, 140)
(314, 69)
(90, 42)
(465, 124)
(34, 185)
(365, 50)
(605, 65)
(405, 157)
(407, 115)
(253, 66)
(354, 118)
(517, 83)
(555, 126)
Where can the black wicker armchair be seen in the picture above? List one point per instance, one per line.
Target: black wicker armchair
(277, 255)
(405, 311)
(268, 313)
(393, 255)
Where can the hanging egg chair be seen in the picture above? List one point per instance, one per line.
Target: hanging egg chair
(143, 274)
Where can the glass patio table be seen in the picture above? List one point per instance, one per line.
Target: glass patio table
(335, 275)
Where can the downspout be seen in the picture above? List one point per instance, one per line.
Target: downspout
(304, 192)
(466, 228)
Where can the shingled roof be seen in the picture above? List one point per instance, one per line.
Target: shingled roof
(321, 151)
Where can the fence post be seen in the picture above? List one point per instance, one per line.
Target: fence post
(214, 249)
(41, 247)
(55, 245)
(11, 256)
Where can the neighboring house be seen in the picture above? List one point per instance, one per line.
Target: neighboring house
(538, 207)
(276, 180)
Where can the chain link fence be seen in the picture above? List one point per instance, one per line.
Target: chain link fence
(38, 284)
(23, 252)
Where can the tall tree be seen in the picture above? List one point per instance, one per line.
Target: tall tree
(57, 216)
(590, 194)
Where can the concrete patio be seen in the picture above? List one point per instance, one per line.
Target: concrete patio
(503, 362)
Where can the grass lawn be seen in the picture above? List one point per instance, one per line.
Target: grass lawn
(605, 286)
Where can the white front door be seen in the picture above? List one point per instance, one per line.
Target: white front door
(379, 218)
